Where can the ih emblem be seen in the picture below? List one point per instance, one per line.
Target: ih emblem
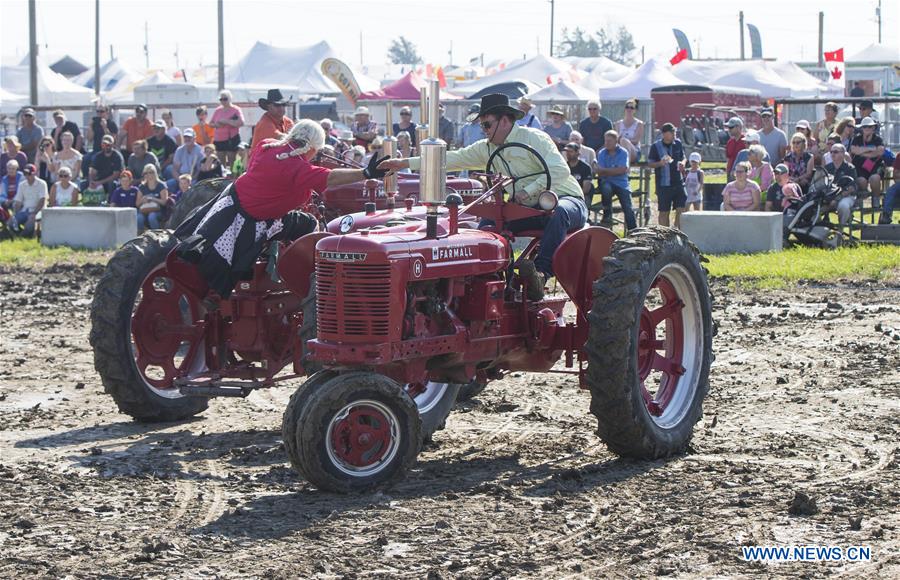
(451, 252)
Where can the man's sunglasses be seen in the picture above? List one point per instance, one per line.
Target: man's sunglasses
(486, 125)
(630, 108)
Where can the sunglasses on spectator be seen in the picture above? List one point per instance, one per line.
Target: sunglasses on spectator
(406, 114)
(486, 125)
(629, 107)
(736, 171)
(833, 151)
(593, 109)
(223, 98)
(798, 142)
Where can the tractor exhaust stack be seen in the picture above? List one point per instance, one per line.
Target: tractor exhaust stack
(389, 148)
(433, 153)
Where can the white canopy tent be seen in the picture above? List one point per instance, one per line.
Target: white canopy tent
(114, 75)
(562, 92)
(296, 70)
(603, 67)
(876, 54)
(536, 70)
(771, 79)
(54, 90)
(653, 73)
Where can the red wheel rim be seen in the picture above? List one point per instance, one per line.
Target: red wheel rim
(362, 437)
(661, 347)
(165, 331)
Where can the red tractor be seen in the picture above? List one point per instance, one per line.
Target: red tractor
(390, 319)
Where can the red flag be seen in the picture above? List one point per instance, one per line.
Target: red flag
(442, 79)
(679, 56)
(429, 71)
(549, 80)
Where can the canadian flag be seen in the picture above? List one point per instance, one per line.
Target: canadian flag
(834, 64)
(679, 56)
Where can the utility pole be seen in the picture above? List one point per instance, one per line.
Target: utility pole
(146, 45)
(97, 47)
(878, 18)
(552, 11)
(360, 49)
(821, 39)
(741, 18)
(221, 67)
(32, 50)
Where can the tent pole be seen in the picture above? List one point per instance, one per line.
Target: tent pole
(32, 50)
(97, 47)
(221, 46)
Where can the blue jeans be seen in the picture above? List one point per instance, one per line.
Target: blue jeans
(21, 219)
(890, 200)
(607, 190)
(570, 215)
(150, 220)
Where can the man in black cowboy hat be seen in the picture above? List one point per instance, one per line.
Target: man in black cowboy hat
(274, 124)
(498, 120)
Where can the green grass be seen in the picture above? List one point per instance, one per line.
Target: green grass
(773, 270)
(29, 252)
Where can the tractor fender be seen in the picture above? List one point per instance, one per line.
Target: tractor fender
(298, 262)
(578, 262)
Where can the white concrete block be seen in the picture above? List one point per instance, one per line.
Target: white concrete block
(95, 228)
(734, 232)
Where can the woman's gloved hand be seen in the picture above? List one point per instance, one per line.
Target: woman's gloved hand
(371, 171)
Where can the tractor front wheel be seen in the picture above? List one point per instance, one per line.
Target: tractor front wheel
(650, 344)
(351, 432)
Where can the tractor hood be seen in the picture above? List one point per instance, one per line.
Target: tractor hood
(468, 253)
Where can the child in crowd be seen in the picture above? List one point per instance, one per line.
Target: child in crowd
(693, 184)
(240, 162)
(126, 194)
(184, 184)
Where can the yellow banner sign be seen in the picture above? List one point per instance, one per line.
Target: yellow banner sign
(343, 77)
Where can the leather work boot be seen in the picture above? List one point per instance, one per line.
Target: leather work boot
(533, 280)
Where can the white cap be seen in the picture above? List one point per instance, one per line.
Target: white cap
(751, 137)
(867, 122)
(695, 156)
(803, 124)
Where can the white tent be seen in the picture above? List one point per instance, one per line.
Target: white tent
(563, 91)
(296, 71)
(114, 75)
(876, 53)
(54, 90)
(601, 66)
(653, 73)
(541, 70)
(11, 102)
(759, 75)
(596, 81)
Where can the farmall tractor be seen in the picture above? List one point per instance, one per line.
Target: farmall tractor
(387, 320)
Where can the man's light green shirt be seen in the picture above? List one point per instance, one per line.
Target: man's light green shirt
(520, 161)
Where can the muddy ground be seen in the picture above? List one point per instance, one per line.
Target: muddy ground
(804, 399)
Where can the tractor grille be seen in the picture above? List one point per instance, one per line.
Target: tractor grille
(353, 301)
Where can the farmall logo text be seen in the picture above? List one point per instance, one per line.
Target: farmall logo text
(342, 256)
(451, 252)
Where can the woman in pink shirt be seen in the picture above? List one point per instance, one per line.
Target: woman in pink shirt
(741, 194)
(227, 121)
(760, 170)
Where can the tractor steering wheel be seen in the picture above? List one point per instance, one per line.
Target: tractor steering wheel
(489, 168)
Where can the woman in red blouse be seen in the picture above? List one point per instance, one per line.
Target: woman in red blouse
(225, 236)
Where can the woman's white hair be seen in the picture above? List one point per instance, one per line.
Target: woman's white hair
(306, 134)
(226, 93)
(758, 151)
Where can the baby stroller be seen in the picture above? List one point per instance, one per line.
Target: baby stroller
(807, 219)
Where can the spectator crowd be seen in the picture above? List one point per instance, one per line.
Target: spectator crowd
(148, 164)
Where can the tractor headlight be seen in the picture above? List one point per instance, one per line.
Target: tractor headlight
(548, 200)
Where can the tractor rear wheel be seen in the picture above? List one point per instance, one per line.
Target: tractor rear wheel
(351, 432)
(650, 344)
(136, 351)
(196, 196)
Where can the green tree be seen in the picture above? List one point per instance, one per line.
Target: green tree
(403, 51)
(614, 44)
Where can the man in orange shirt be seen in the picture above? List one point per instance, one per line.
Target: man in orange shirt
(203, 131)
(274, 123)
(136, 128)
